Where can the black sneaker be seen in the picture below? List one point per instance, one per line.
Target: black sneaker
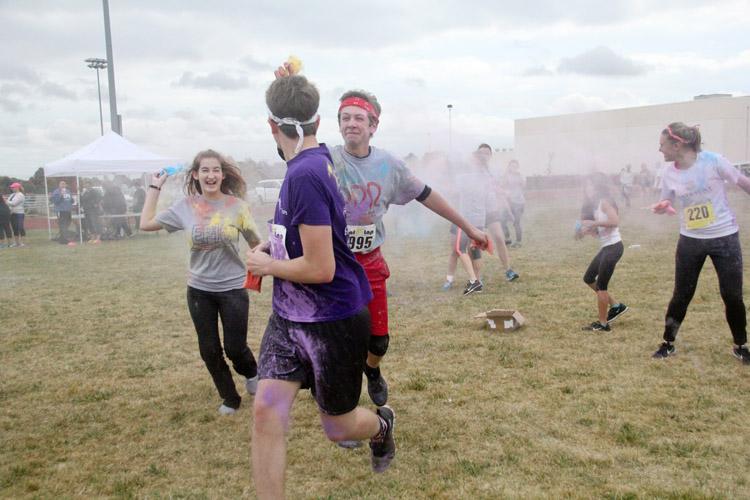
(473, 287)
(596, 326)
(742, 353)
(378, 390)
(665, 350)
(616, 311)
(384, 449)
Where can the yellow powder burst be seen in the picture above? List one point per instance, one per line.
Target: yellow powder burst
(295, 65)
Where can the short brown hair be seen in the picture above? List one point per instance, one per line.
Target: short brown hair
(362, 94)
(293, 97)
(678, 132)
(233, 183)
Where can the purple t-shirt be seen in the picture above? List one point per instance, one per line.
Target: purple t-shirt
(309, 195)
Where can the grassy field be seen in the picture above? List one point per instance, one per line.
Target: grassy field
(103, 393)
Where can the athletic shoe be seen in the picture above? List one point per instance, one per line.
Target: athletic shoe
(511, 275)
(742, 353)
(251, 385)
(226, 410)
(378, 390)
(447, 285)
(384, 449)
(515, 244)
(596, 326)
(616, 311)
(473, 287)
(665, 350)
(350, 445)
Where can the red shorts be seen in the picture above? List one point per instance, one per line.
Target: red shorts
(377, 272)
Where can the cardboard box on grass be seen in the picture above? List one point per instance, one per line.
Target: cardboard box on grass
(506, 320)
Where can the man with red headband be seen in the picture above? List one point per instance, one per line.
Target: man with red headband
(371, 179)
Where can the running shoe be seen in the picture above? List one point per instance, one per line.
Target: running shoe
(377, 388)
(515, 244)
(742, 353)
(227, 410)
(251, 385)
(596, 326)
(511, 275)
(383, 448)
(616, 311)
(472, 287)
(447, 285)
(665, 350)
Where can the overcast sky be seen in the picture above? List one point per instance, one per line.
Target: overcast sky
(192, 74)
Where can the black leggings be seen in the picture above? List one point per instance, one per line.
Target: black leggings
(726, 254)
(516, 209)
(232, 306)
(5, 231)
(603, 266)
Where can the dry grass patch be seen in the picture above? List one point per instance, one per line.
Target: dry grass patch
(103, 393)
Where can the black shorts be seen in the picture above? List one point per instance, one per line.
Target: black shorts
(603, 265)
(327, 358)
(493, 217)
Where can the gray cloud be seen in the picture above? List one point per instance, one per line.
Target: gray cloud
(253, 64)
(18, 73)
(53, 89)
(601, 61)
(10, 105)
(215, 80)
(538, 71)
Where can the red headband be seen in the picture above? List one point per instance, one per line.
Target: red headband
(675, 136)
(360, 103)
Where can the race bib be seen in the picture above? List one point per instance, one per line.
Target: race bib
(361, 239)
(699, 216)
(277, 238)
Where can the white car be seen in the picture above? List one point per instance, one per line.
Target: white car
(267, 191)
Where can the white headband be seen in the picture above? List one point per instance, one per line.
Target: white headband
(297, 126)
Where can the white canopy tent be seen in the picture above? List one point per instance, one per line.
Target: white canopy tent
(109, 154)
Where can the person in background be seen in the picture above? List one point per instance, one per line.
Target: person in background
(139, 198)
(17, 215)
(5, 232)
(626, 183)
(600, 218)
(62, 199)
(514, 183)
(114, 204)
(91, 203)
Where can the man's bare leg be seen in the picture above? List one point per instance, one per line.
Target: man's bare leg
(272, 405)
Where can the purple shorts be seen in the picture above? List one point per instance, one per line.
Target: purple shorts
(326, 357)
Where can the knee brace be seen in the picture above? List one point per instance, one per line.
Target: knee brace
(378, 344)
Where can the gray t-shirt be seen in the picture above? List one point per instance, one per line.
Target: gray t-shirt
(213, 229)
(369, 185)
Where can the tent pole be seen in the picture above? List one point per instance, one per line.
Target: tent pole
(80, 224)
(46, 203)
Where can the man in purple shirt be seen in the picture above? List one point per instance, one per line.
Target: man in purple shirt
(319, 330)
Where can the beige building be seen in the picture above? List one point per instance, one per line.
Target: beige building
(608, 140)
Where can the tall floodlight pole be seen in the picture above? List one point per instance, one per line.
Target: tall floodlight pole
(450, 129)
(98, 64)
(113, 117)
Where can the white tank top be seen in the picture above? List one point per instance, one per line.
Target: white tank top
(607, 235)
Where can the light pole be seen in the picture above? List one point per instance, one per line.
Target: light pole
(450, 130)
(98, 64)
(114, 119)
